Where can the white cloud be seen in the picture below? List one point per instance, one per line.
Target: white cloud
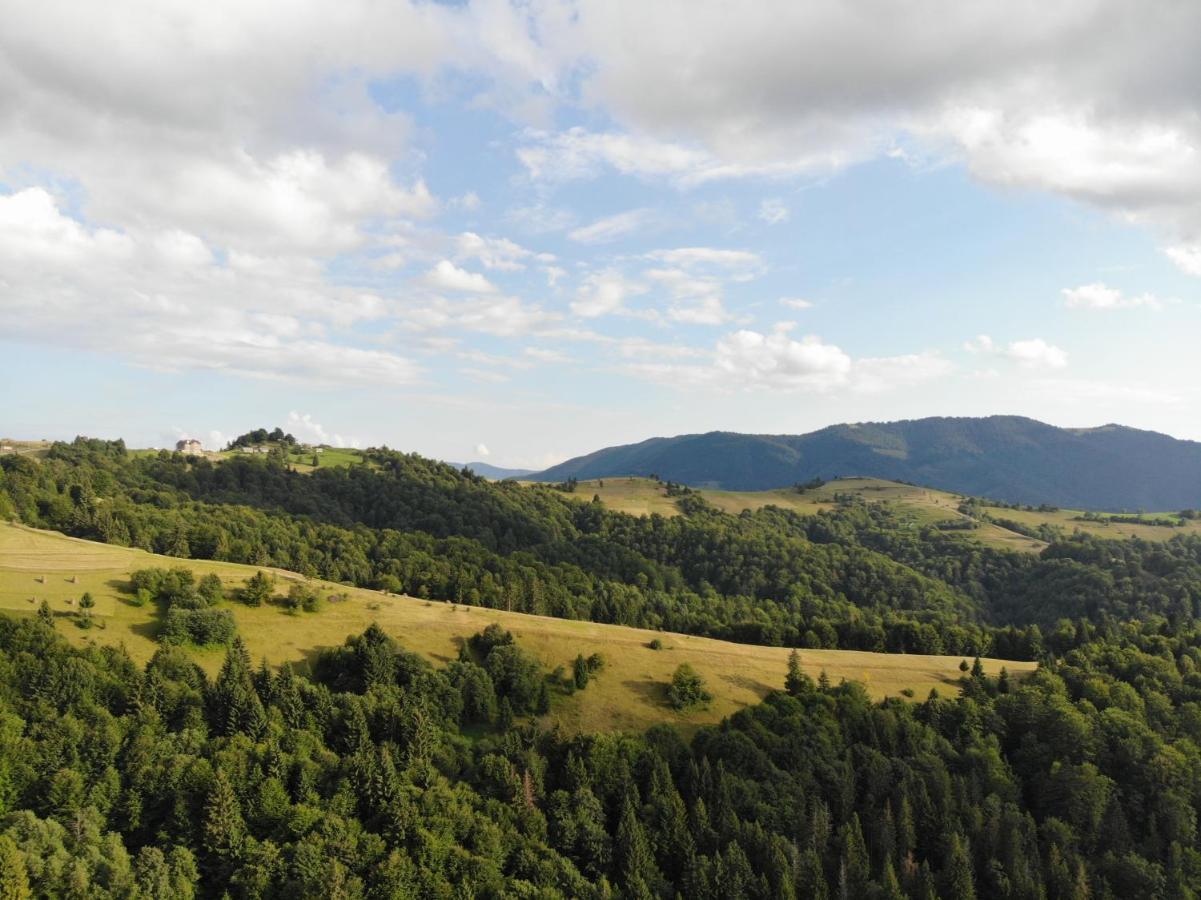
(482, 450)
(748, 357)
(747, 360)
(1188, 258)
(310, 431)
(692, 256)
(447, 276)
(1087, 99)
(796, 303)
(612, 227)
(162, 300)
(605, 293)
(1032, 353)
(496, 253)
(579, 154)
(1100, 296)
(773, 211)
(1036, 353)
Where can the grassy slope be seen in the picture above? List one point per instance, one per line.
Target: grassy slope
(629, 694)
(922, 506)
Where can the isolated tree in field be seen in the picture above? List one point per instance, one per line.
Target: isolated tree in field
(687, 688)
(258, 589)
(580, 672)
(87, 602)
(45, 614)
(796, 681)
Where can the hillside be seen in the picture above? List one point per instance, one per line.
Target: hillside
(630, 694)
(1007, 458)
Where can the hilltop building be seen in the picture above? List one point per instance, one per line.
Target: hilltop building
(189, 445)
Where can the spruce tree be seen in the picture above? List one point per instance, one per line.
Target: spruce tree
(957, 871)
(632, 851)
(796, 682)
(223, 831)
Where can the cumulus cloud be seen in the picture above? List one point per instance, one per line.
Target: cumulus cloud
(163, 300)
(747, 359)
(447, 276)
(796, 303)
(1101, 296)
(482, 450)
(605, 293)
(309, 430)
(1091, 100)
(1032, 353)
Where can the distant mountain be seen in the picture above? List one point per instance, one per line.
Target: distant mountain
(496, 473)
(1001, 457)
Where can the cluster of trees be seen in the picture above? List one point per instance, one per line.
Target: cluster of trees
(1080, 781)
(261, 436)
(189, 613)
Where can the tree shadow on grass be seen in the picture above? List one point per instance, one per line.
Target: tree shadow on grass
(759, 688)
(652, 693)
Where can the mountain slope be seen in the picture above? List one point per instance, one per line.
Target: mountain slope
(487, 470)
(1004, 457)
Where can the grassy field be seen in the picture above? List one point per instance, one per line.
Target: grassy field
(630, 694)
(917, 505)
(1070, 520)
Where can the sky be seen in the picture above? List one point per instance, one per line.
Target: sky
(518, 232)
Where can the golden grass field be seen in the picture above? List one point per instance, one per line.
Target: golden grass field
(919, 505)
(630, 694)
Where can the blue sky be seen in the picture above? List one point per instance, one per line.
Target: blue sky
(524, 232)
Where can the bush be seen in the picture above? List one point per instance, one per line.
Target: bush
(258, 589)
(687, 688)
(210, 589)
(655, 644)
(302, 597)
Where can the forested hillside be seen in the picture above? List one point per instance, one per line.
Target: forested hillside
(1004, 457)
(375, 774)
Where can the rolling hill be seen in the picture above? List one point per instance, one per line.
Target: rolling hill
(1008, 458)
(630, 694)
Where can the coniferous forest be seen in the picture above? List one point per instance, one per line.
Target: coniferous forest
(375, 774)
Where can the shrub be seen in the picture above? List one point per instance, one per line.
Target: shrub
(258, 589)
(210, 589)
(687, 688)
(655, 644)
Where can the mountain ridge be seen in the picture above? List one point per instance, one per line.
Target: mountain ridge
(1010, 458)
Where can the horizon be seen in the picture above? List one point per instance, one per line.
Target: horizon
(209, 445)
(492, 231)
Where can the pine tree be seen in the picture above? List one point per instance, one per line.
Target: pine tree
(854, 857)
(235, 705)
(891, 888)
(811, 878)
(957, 871)
(45, 614)
(634, 860)
(796, 682)
(224, 830)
